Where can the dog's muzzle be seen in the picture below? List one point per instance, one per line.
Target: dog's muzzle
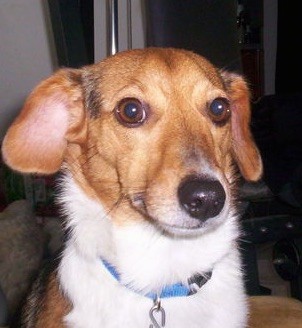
(202, 198)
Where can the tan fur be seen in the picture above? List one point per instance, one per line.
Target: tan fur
(49, 139)
(55, 306)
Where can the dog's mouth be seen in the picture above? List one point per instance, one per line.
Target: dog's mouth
(175, 222)
(195, 204)
(138, 202)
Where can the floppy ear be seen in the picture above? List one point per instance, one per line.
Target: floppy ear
(244, 148)
(52, 116)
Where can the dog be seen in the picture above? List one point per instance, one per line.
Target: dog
(150, 143)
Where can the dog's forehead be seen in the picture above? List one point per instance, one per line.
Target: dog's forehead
(155, 64)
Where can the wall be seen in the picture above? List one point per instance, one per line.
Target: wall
(27, 53)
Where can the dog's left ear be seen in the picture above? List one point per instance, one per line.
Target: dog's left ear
(52, 116)
(244, 149)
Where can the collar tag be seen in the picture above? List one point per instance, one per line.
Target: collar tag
(157, 309)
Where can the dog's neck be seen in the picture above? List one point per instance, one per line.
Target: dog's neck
(146, 259)
(194, 284)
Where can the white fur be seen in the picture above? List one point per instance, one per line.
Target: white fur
(147, 260)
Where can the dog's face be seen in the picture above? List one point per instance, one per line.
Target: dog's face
(153, 134)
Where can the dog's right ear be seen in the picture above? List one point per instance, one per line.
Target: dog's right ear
(52, 116)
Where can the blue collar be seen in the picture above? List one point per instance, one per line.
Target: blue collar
(176, 290)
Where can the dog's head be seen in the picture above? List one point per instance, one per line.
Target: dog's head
(153, 134)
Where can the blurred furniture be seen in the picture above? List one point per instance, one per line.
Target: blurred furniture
(252, 69)
(206, 27)
(276, 214)
(274, 312)
(3, 309)
(27, 241)
(22, 244)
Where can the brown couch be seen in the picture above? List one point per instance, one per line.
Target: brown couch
(275, 312)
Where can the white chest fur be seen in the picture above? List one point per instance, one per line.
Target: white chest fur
(101, 301)
(146, 260)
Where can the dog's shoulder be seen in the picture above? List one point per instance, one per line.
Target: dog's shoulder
(45, 306)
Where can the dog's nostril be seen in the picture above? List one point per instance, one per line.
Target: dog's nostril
(201, 198)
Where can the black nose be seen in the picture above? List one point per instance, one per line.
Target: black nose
(201, 198)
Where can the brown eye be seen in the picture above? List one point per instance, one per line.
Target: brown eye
(131, 112)
(219, 110)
